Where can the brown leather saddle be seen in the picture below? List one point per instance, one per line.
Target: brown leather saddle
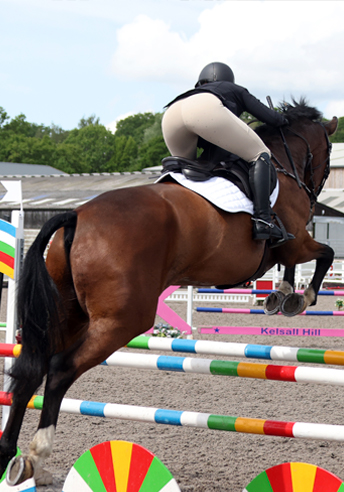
(234, 169)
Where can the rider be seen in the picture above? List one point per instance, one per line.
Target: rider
(211, 111)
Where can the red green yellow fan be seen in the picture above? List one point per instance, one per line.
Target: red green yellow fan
(295, 477)
(119, 466)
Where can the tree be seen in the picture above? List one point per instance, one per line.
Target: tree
(3, 116)
(339, 135)
(96, 146)
(135, 126)
(152, 152)
(125, 154)
(91, 120)
(67, 158)
(30, 150)
(20, 126)
(56, 133)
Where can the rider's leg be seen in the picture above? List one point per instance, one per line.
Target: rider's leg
(204, 115)
(259, 175)
(179, 140)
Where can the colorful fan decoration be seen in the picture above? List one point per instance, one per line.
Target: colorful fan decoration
(119, 466)
(295, 477)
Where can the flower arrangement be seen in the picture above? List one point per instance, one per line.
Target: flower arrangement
(166, 331)
(340, 303)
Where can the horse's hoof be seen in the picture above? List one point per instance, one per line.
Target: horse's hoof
(292, 305)
(19, 470)
(273, 302)
(42, 476)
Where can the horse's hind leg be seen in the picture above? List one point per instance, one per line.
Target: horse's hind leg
(20, 400)
(103, 337)
(41, 446)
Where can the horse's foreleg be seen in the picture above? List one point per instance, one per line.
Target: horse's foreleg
(272, 303)
(323, 264)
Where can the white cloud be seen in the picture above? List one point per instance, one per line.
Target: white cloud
(277, 46)
(334, 108)
(145, 49)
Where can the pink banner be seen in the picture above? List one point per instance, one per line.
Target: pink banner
(255, 330)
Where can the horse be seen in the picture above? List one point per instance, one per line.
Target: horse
(112, 257)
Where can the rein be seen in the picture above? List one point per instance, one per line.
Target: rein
(286, 148)
(310, 190)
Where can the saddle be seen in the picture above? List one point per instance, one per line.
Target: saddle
(233, 168)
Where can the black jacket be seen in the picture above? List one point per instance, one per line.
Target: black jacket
(237, 99)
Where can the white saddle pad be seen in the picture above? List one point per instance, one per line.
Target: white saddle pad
(221, 193)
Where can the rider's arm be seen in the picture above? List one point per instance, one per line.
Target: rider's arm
(262, 112)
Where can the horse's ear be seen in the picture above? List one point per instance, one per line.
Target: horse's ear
(331, 126)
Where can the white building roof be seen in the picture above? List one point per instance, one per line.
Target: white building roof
(337, 155)
(332, 197)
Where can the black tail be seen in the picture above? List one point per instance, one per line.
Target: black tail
(38, 302)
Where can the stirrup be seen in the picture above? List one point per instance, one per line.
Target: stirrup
(273, 242)
(265, 222)
(264, 230)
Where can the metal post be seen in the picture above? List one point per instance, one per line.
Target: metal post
(189, 311)
(17, 220)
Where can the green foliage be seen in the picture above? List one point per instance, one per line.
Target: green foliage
(92, 148)
(339, 135)
(152, 152)
(89, 148)
(95, 144)
(20, 148)
(91, 120)
(67, 159)
(3, 116)
(250, 120)
(135, 126)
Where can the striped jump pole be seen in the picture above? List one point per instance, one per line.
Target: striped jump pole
(261, 311)
(265, 291)
(226, 349)
(301, 430)
(235, 349)
(10, 350)
(295, 374)
(271, 331)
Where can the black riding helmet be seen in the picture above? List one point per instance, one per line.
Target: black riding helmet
(215, 71)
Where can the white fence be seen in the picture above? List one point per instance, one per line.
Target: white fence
(305, 272)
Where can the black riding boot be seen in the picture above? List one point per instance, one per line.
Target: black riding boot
(264, 228)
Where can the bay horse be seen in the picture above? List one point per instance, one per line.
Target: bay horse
(112, 257)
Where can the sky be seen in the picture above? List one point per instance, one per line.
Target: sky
(62, 60)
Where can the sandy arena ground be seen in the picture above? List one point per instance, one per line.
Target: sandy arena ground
(205, 460)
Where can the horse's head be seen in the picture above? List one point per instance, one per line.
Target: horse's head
(307, 138)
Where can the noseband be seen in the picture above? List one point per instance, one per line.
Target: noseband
(310, 189)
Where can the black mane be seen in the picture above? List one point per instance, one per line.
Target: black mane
(299, 110)
(295, 111)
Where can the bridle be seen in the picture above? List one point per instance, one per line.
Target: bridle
(310, 189)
